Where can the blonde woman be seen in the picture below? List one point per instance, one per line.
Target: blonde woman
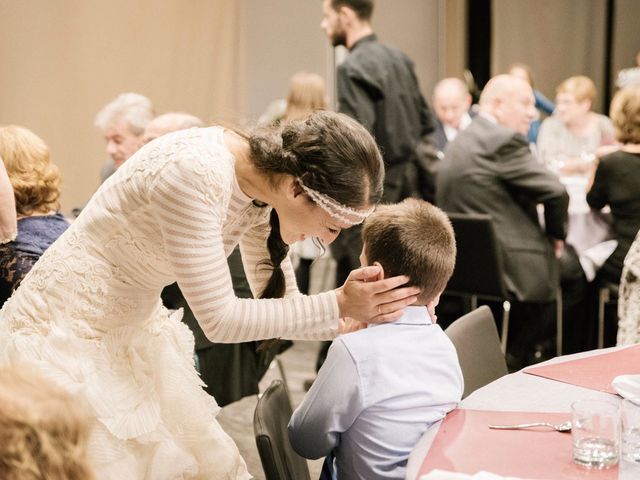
(35, 182)
(574, 135)
(43, 431)
(307, 93)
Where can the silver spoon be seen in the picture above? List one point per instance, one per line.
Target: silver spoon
(561, 427)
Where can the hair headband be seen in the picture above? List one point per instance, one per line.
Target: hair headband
(338, 211)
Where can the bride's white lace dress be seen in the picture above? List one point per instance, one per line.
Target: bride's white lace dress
(89, 315)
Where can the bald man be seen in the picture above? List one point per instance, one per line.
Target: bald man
(451, 102)
(489, 169)
(170, 122)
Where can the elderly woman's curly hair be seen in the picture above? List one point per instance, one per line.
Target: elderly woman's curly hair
(35, 180)
(43, 432)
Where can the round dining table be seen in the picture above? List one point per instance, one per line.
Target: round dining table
(517, 392)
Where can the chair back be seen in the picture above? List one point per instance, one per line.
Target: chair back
(476, 340)
(279, 460)
(479, 267)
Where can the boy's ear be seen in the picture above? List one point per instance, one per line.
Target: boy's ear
(381, 274)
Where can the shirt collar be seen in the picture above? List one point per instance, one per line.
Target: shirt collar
(416, 315)
(367, 38)
(488, 116)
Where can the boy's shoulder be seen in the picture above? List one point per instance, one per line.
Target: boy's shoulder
(376, 340)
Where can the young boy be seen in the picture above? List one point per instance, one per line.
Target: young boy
(380, 388)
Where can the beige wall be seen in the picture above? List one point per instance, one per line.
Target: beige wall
(626, 40)
(562, 38)
(414, 27)
(62, 61)
(284, 36)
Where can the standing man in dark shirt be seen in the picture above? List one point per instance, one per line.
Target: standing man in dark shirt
(377, 86)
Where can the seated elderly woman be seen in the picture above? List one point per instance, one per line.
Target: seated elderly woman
(617, 180)
(35, 181)
(574, 135)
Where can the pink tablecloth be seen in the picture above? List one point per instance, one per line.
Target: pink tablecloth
(595, 372)
(465, 444)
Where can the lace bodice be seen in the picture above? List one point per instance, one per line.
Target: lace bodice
(172, 212)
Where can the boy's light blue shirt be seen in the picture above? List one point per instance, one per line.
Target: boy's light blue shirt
(378, 391)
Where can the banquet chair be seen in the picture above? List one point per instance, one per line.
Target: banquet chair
(272, 414)
(475, 337)
(479, 271)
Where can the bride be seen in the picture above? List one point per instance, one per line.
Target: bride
(89, 317)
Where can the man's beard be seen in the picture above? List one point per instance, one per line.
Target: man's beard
(339, 38)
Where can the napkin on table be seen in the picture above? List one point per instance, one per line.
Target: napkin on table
(627, 386)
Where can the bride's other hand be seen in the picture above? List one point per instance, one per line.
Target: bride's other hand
(368, 297)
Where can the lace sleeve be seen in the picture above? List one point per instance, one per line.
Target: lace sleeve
(189, 208)
(14, 266)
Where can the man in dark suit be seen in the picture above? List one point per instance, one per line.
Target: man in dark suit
(451, 103)
(490, 169)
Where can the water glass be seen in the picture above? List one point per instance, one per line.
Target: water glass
(630, 449)
(595, 433)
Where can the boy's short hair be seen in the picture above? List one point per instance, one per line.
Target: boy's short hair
(412, 238)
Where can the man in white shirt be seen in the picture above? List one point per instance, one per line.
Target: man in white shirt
(451, 102)
(380, 388)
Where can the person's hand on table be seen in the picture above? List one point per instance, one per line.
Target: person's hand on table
(368, 297)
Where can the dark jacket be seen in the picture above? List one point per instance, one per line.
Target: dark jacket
(489, 169)
(377, 86)
(617, 184)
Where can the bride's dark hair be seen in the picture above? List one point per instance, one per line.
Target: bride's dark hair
(330, 153)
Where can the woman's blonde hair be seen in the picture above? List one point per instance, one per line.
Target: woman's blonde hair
(34, 178)
(43, 432)
(307, 93)
(581, 87)
(625, 114)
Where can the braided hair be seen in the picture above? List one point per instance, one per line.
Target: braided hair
(328, 152)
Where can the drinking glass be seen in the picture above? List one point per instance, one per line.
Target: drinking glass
(595, 433)
(630, 448)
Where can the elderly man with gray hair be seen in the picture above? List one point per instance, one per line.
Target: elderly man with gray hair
(123, 121)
